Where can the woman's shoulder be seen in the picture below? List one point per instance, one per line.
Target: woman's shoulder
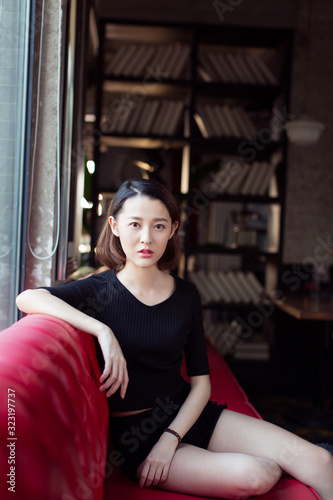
(102, 274)
(185, 285)
(97, 280)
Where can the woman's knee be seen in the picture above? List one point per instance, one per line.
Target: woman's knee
(325, 460)
(264, 475)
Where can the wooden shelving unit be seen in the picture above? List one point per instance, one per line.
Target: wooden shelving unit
(147, 68)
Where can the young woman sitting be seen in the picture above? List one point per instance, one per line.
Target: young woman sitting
(143, 318)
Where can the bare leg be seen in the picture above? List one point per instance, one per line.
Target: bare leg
(220, 475)
(306, 462)
(245, 457)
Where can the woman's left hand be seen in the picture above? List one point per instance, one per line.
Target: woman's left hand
(155, 468)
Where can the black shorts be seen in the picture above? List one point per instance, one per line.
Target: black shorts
(135, 435)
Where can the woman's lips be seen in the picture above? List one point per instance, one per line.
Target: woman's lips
(145, 252)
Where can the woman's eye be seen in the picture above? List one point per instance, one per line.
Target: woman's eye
(159, 226)
(134, 224)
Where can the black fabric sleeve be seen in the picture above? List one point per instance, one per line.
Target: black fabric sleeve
(88, 295)
(195, 349)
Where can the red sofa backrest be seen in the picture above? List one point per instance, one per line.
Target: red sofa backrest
(59, 421)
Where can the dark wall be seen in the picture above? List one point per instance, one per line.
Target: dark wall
(270, 13)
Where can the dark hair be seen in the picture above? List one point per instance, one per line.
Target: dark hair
(109, 250)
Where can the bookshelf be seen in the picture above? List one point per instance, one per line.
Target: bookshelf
(145, 80)
(237, 181)
(210, 101)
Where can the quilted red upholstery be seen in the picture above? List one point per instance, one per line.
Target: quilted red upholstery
(62, 419)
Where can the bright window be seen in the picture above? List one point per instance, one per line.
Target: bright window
(14, 39)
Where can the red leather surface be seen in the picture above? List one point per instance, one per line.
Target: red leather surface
(62, 418)
(119, 487)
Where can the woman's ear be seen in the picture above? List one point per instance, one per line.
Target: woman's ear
(113, 225)
(173, 229)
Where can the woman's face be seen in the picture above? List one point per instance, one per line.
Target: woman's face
(144, 227)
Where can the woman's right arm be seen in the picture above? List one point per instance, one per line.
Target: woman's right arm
(115, 371)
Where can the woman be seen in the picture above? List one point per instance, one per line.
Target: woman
(169, 432)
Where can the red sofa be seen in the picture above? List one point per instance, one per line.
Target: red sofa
(54, 420)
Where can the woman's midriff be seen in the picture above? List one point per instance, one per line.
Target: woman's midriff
(127, 413)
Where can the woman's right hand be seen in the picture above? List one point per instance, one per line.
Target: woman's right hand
(115, 370)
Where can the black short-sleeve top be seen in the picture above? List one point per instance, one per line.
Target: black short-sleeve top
(152, 338)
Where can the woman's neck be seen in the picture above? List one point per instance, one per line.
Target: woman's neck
(140, 278)
(150, 286)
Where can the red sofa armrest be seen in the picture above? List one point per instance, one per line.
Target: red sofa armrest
(50, 373)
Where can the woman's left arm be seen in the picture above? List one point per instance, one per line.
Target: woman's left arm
(156, 466)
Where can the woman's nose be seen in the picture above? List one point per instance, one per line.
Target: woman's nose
(145, 236)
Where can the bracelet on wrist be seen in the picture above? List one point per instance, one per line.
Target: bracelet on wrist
(171, 431)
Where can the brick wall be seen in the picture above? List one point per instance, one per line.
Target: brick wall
(309, 208)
